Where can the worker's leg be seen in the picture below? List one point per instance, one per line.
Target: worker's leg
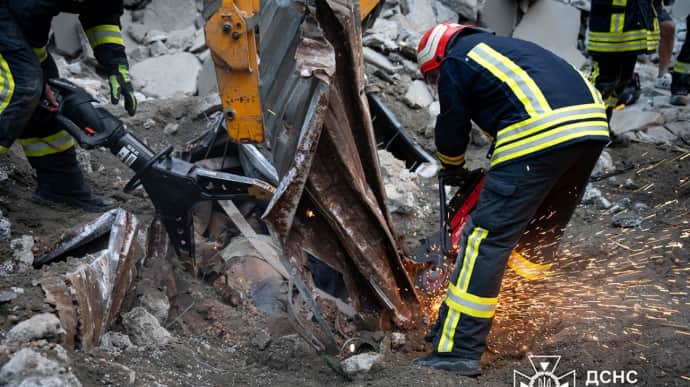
(668, 36)
(20, 81)
(50, 151)
(540, 240)
(681, 73)
(511, 196)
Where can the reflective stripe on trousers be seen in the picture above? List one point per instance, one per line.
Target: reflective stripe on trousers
(55, 143)
(107, 33)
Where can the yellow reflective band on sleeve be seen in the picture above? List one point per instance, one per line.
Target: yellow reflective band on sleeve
(471, 252)
(55, 143)
(555, 117)
(519, 82)
(3, 150)
(6, 84)
(445, 344)
(107, 33)
(611, 101)
(617, 22)
(526, 268)
(681, 67)
(41, 53)
(620, 3)
(451, 160)
(551, 138)
(469, 304)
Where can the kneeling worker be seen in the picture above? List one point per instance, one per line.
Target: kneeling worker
(548, 126)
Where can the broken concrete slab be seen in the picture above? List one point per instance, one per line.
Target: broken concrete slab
(631, 119)
(680, 129)
(554, 26)
(181, 40)
(207, 82)
(170, 15)
(379, 60)
(467, 9)
(40, 326)
(66, 28)
(656, 135)
(158, 48)
(604, 165)
(360, 364)
(28, 368)
(143, 328)
(166, 76)
(444, 13)
(421, 15)
(500, 16)
(418, 95)
(22, 249)
(199, 42)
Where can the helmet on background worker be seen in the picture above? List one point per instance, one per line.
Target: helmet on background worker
(432, 48)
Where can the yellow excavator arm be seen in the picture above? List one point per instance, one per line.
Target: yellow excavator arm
(230, 35)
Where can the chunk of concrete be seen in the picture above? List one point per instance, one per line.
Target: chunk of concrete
(66, 33)
(28, 368)
(144, 329)
(418, 95)
(170, 15)
(199, 42)
(626, 220)
(158, 48)
(360, 364)
(181, 39)
(116, 341)
(554, 26)
(207, 82)
(421, 15)
(137, 32)
(680, 129)
(41, 326)
(630, 119)
(5, 228)
(500, 16)
(468, 9)
(167, 75)
(657, 135)
(156, 302)
(22, 249)
(604, 165)
(444, 13)
(379, 60)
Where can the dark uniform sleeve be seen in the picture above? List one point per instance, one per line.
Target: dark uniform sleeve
(101, 22)
(453, 123)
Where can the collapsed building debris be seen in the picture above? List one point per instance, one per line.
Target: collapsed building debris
(88, 299)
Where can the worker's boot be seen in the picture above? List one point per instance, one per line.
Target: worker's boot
(616, 140)
(60, 180)
(465, 367)
(679, 89)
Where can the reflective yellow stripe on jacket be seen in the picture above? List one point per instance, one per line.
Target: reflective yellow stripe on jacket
(106, 33)
(55, 143)
(545, 127)
(6, 84)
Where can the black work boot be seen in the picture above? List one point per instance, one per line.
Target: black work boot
(465, 367)
(60, 180)
(679, 89)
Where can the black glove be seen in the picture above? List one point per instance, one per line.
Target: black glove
(453, 175)
(120, 85)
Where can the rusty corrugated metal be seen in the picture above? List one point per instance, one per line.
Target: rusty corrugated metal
(89, 298)
(330, 199)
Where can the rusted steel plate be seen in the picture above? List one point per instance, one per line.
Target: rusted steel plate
(89, 298)
(324, 149)
(58, 294)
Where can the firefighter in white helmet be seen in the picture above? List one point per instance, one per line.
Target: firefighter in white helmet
(548, 127)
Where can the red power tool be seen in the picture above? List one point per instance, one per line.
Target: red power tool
(439, 250)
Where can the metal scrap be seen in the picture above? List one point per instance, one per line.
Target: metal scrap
(89, 298)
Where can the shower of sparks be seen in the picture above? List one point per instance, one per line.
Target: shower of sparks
(610, 293)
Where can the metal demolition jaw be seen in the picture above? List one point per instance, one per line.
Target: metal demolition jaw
(173, 185)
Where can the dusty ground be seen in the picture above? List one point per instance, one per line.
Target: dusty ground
(618, 299)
